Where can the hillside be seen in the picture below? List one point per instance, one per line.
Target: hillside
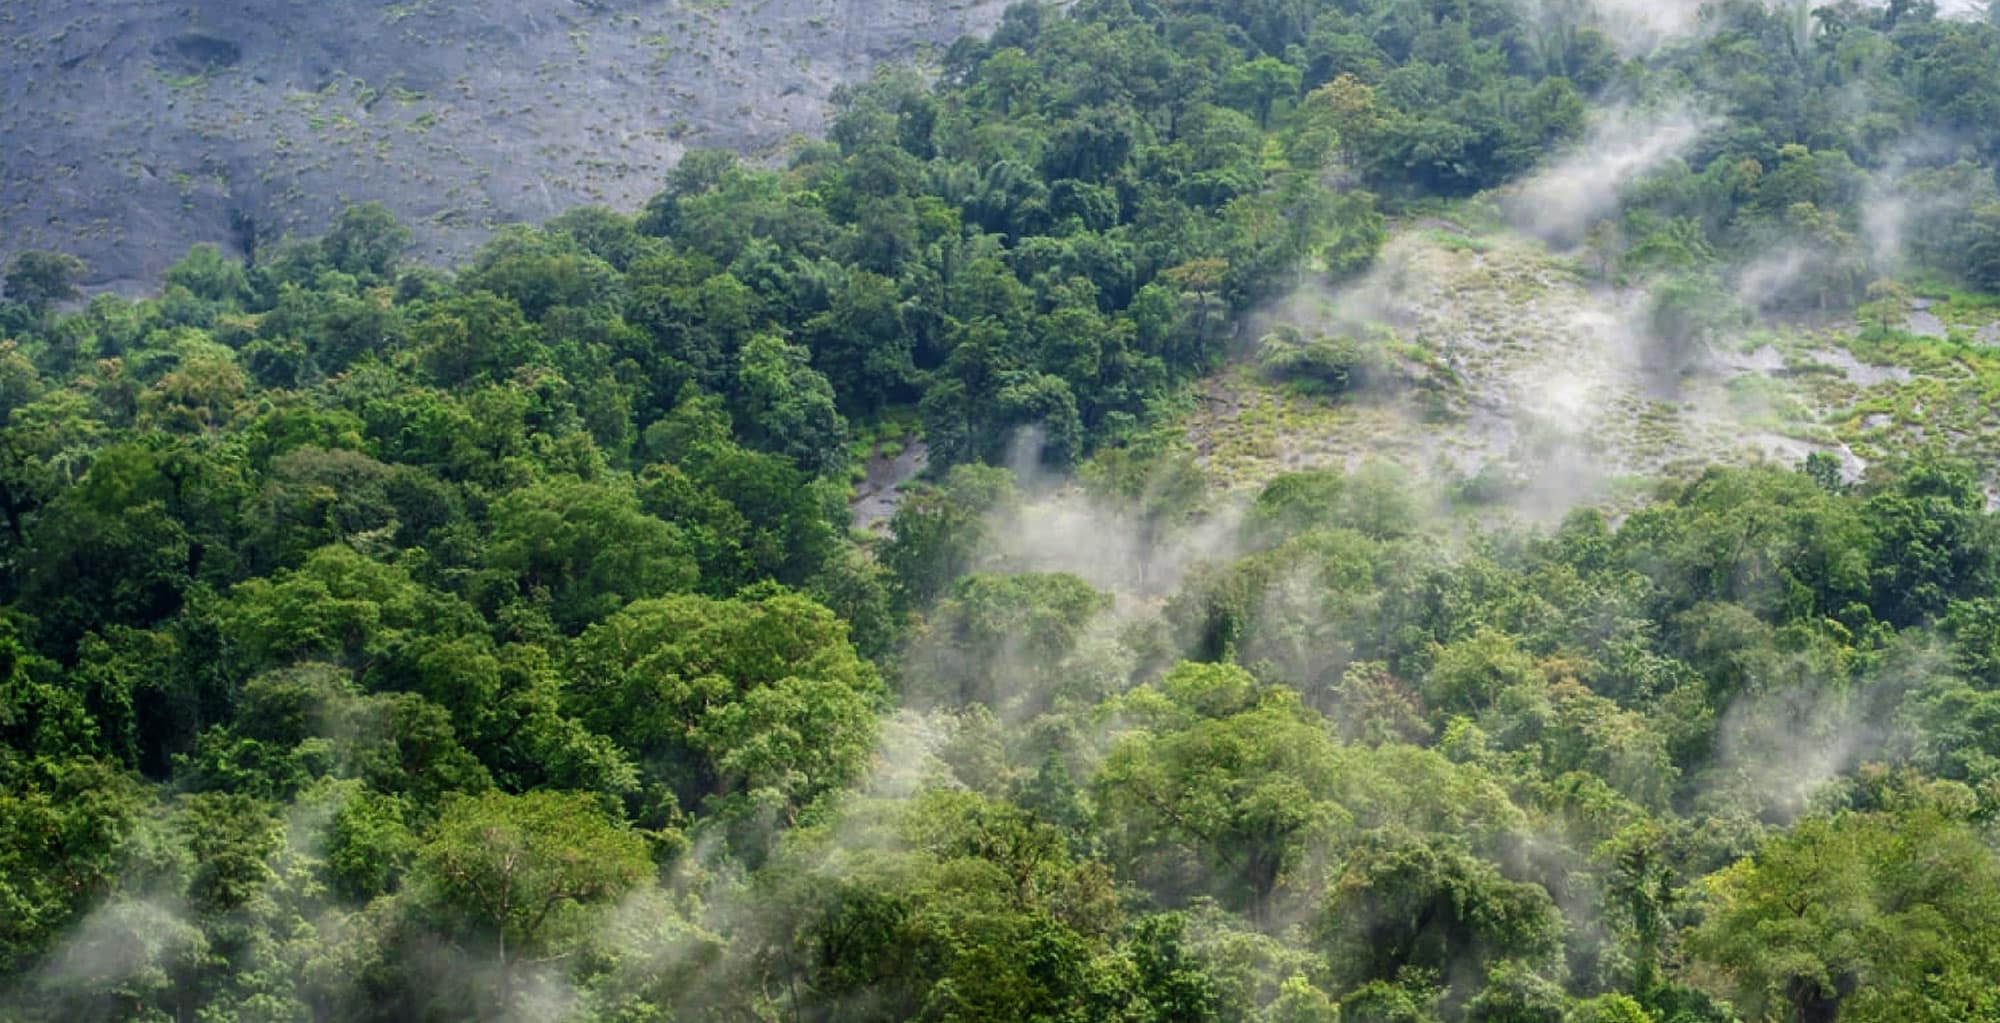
(136, 128)
(1515, 367)
(1389, 511)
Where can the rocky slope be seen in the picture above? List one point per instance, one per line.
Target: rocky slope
(1509, 365)
(135, 128)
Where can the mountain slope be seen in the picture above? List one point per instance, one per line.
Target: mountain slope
(135, 128)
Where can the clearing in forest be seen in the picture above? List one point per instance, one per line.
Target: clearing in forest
(1487, 358)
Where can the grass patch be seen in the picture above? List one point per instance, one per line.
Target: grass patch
(1456, 242)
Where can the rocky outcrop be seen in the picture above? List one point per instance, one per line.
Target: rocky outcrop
(134, 128)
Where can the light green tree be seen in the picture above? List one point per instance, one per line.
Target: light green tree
(525, 872)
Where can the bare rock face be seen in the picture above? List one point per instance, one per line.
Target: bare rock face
(135, 128)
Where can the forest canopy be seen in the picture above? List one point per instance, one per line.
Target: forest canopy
(381, 641)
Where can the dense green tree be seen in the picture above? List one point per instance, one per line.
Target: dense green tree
(477, 336)
(786, 406)
(936, 535)
(541, 271)
(342, 607)
(1002, 641)
(366, 241)
(1245, 776)
(1865, 916)
(523, 874)
(721, 697)
(39, 279)
(211, 277)
(1259, 84)
(1404, 902)
(69, 819)
(585, 548)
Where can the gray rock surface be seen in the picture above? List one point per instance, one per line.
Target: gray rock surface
(135, 128)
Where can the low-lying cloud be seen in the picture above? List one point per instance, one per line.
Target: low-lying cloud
(1561, 202)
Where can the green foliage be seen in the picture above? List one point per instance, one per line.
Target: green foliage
(1001, 641)
(1606, 1009)
(1244, 777)
(340, 606)
(1685, 316)
(1872, 916)
(380, 643)
(584, 549)
(1408, 903)
(229, 839)
(722, 697)
(369, 845)
(1325, 365)
(936, 534)
(39, 280)
(1259, 84)
(787, 406)
(210, 277)
(68, 821)
(524, 873)
(365, 242)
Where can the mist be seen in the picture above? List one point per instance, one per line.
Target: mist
(1562, 201)
(127, 942)
(1637, 28)
(1784, 748)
